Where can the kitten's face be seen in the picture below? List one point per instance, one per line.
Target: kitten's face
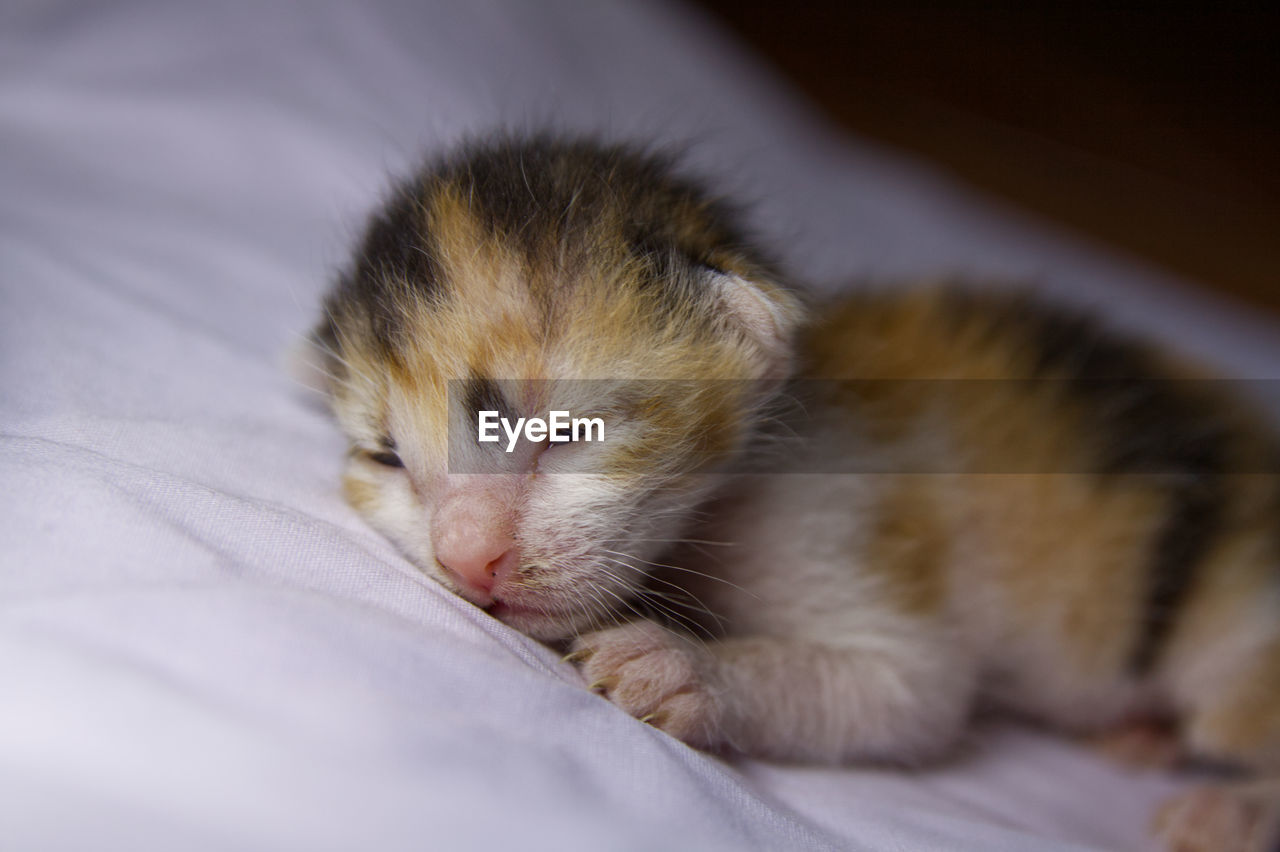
(673, 356)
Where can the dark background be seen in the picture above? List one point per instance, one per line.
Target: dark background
(1152, 128)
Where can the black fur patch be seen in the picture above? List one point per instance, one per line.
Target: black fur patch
(562, 203)
(482, 394)
(395, 261)
(1171, 433)
(394, 246)
(1189, 529)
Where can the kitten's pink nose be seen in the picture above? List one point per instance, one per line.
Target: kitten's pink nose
(480, 569)
(478, 552)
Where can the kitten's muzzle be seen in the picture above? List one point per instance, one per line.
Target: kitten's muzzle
(474, 547)
(477, 578)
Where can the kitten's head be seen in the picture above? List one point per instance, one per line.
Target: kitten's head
(520, 276)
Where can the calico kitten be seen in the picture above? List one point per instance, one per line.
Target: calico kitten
(980, 499)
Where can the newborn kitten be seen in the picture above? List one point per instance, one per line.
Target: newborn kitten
(982, 500)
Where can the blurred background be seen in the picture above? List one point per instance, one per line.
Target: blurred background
(1153, 128)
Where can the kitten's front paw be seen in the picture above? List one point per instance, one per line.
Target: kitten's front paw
(1228, 818)
(654, 675)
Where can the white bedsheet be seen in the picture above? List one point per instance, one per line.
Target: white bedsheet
(201, 646)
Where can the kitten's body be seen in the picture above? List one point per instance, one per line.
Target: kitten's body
(1012, 535)
(1053, 525)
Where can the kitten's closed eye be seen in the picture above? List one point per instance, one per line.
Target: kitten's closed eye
(386, 457)
(385, 454)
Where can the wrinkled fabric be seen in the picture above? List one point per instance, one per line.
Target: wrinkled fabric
(201, 646)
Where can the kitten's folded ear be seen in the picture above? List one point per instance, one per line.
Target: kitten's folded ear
(764, 313)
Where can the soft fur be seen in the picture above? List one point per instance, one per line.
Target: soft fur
(967, 499)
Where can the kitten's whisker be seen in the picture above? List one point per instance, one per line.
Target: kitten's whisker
(685, 570)
(696, 608)
(697, 605)
(687, 541)
(679, 618)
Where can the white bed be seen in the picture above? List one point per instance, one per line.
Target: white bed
(201, 646)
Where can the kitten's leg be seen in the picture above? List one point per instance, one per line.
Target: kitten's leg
(893, 694)
(1238, 725)
(1241, 817)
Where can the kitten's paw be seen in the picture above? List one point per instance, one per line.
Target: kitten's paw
(1227, 818)
(654, 675)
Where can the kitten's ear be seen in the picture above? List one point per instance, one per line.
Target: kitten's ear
(312, 361)
(765, 313)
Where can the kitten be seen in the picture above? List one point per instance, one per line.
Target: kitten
(982, 500)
